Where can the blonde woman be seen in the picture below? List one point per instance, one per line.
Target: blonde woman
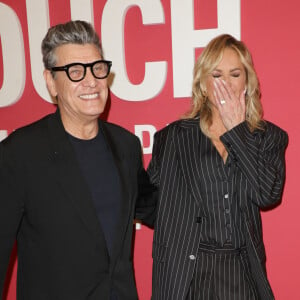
(215, 169)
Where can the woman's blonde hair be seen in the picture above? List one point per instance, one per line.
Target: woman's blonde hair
(206, 63)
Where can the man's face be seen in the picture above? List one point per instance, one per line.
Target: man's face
(83, 101)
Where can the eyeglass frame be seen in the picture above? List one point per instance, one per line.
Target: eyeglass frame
(85, 66)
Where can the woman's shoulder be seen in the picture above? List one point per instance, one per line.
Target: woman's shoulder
(272, 128)
(179, 125)
(273, 134)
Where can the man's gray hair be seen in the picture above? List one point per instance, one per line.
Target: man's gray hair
(72, 32)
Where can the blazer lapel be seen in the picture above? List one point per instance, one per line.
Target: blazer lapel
(67, 172)
(125, 184)
(187, 143)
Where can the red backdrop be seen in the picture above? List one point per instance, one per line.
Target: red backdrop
(153, 45)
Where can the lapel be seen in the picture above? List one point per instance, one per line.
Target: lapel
(187, 144)
(124, 220)
(67, 172)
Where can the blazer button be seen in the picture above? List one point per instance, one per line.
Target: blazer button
(192, 257)
(198, 220)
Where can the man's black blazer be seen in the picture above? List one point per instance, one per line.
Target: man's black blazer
(46, 205)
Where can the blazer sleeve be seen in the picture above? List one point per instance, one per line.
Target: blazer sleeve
(145, 208)
(154, 167)
(11, 209)
(260, 156)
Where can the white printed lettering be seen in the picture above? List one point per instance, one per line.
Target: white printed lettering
(14, 70)
(113, 43)
(140, 130)
(185, 39)
(38, 24)
(82, 10)
(3, 134)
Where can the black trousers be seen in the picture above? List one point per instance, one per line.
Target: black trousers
(222, 274)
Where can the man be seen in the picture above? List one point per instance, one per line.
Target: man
(69, 183)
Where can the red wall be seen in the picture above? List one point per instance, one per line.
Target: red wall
(150, 31)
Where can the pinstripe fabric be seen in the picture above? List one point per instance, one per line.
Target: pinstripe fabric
(222, 275)
(191, 178)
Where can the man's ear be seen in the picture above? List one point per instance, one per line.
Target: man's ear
(50, 82)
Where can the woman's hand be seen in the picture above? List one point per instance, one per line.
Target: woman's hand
(232, 108)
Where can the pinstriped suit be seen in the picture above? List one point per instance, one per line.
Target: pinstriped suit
(179, 166)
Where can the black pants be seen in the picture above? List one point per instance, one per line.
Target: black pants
(222, 274)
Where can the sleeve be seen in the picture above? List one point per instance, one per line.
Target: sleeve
(11, 210)
(154, 165)
(145, 208)
(153, 175)
(260, 156)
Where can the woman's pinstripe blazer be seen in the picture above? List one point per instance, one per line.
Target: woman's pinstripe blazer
(175, 168)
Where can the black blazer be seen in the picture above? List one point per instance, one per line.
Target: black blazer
(46, 205)
(176, 168)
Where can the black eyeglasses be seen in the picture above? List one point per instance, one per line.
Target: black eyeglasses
(77, 71)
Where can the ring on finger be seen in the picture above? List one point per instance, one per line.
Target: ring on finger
(222, 101)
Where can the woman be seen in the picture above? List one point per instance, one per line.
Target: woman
(215, 170)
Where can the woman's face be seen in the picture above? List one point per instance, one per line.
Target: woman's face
(231, 70)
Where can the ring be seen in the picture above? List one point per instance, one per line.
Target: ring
(222, 101)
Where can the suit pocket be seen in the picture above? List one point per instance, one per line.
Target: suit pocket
(159, 252)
